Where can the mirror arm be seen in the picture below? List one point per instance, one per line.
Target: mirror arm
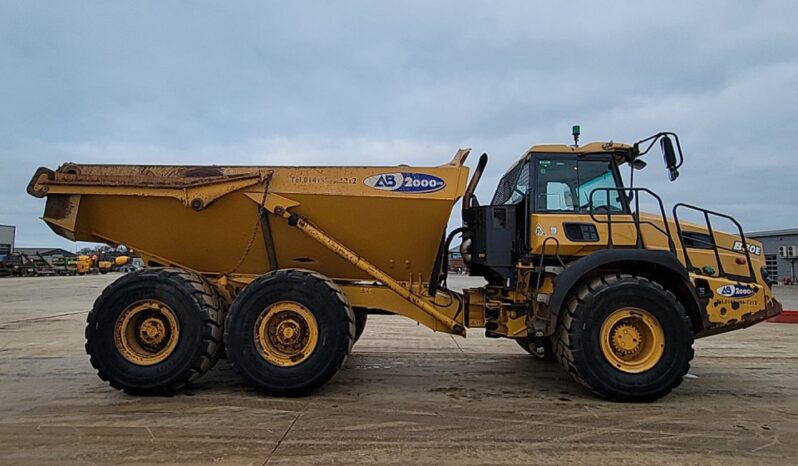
(673, 172)
(653, 140)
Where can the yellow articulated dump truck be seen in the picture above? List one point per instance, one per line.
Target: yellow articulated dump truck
(83, 265)
(109, 263)
(282, 266)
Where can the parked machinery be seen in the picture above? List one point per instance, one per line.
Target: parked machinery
(83, 264)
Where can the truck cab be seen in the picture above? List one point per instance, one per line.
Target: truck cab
(549, 192)
(562, 232)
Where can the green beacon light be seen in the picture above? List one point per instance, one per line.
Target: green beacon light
(575, 131)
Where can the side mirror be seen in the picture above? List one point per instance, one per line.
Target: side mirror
(669, 155)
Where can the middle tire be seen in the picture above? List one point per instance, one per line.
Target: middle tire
(360, 324)
(289, 332)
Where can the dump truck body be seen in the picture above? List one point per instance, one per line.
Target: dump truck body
(208, 220)
(149, 209)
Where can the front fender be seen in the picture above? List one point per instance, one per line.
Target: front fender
(651, 264)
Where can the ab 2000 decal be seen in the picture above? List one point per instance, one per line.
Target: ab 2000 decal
(736, 291)
(405, 182)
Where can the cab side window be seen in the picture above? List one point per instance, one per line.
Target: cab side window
(513, 187)
(521, 186)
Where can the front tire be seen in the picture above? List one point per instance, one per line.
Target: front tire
(625, 338)
(154, 331)
(289, 332)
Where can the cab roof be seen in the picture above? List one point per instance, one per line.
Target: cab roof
(588, 148)
(619, 149)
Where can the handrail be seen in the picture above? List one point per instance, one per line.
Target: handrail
(635, 215)
(715, 246)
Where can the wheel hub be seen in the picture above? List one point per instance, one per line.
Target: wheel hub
(626, 339)
(146, 332)
(286, 333)
(632, 340)
(152, 331)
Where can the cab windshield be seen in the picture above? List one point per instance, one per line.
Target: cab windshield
(568, 185)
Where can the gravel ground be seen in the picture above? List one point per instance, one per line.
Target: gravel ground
(407, 395)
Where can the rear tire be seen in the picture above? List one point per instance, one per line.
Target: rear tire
(289, 332)
(171, 301)
(585, 351)
(360, 324)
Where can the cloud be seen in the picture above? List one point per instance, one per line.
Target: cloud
(372, 83)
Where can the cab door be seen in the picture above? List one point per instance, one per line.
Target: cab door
(573, 198)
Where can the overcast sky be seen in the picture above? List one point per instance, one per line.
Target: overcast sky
(402, 82)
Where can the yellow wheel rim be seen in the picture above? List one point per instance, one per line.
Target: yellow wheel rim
(286, 333)
(632, 340)
(146, 333)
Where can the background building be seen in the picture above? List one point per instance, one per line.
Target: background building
(7, 237)
(47, 253)
(456, 262)
(781, 252)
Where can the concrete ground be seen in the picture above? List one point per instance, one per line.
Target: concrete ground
(406, 396)
(787, 296)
